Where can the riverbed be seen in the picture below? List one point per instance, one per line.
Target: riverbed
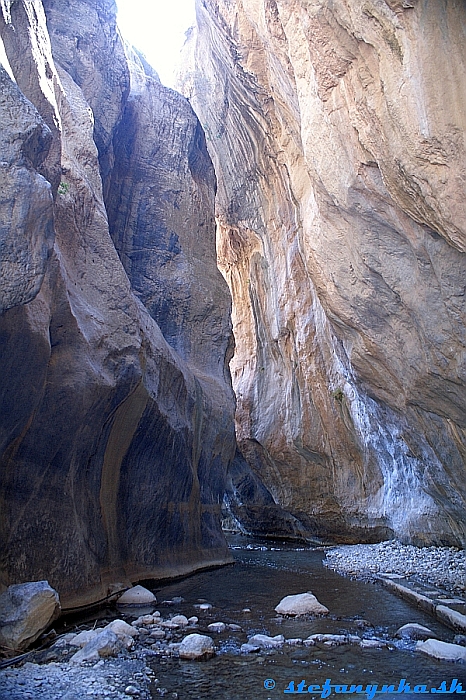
(244, 595)
(262, 575)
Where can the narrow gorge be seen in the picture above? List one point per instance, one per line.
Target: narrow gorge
(243, 300)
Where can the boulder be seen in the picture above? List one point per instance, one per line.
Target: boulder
(138, 595)
(414, 631)
(105, 644)
(26, 610)
(301, 604)
(250, 648)
(197, 647)
(442, 650)
(265, 642)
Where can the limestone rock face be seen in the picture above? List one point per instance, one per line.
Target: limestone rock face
(114, 443)
(26, 205)
(337, 133)
(164, 232)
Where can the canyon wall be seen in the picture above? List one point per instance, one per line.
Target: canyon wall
(337, 130)
(116, 407)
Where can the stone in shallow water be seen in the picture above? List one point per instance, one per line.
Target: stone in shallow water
(217, 627)
(442, 650)
(414, 631)
(371, 644)
(197, 647)
(137, 596)
(265, 642)
(301, 604)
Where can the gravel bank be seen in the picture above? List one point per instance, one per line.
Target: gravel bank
(115, 679)
(444, 567)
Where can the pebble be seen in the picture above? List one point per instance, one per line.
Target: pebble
(110, 679)
(438, 566)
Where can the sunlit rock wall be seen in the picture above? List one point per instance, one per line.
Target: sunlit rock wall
(114, 443)
(338, 135)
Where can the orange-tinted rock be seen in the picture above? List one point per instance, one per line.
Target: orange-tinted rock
(337, 133)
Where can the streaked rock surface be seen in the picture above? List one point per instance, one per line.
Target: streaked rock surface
(337, 133)
(114, 443)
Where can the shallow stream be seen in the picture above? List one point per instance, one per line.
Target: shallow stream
(262, 575)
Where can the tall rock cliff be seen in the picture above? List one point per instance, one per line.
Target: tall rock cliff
(337, 130)
(116, 408)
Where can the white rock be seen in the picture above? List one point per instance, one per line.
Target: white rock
(309, 642)
(217, 627)
(294, 642)
(371, 644)
(329, 639)
(157, 634)
(180, 620)
(193, 620)
(138, 595)
(26, 610)
(169, 625)
(301, 604)
(265, 642)
(196, 646)
(414, 631)
(147, 619)
(442, 650)
(122, 629)
(249, 648)
(65, 640)
(104, 645)
(83, 638)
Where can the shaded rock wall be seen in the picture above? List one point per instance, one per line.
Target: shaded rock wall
(113, 445)
(338, 135)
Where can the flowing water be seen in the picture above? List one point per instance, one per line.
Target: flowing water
(263, 573)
